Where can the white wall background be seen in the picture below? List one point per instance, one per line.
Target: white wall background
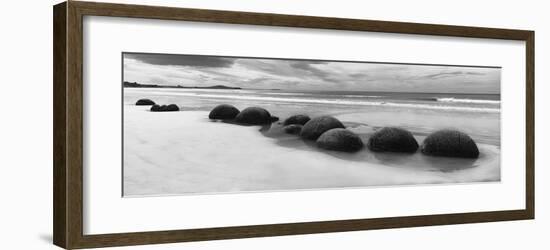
(26, 124)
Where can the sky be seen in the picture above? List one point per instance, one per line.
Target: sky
(291, 74)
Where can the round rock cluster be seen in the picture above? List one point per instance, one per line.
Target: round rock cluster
(330, 134)
(165, 108)
(294, 124)
(248, 116)
(155, 107)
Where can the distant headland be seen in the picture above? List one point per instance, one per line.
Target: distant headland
(138, 85)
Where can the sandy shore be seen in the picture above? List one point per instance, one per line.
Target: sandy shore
(184, 152)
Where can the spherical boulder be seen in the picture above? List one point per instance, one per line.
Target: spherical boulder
(144, 102)
(318, 125)
(172, 107)
(156, 108)
(254, 116)
(293, 129)
(297, 119)
(223, 112)
(340, 139)
(450, 143)
(390, 139)
(164, 108)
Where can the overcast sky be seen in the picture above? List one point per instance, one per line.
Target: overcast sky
(193, 70)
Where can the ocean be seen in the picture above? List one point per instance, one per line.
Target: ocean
(476, 114)
(442, 101)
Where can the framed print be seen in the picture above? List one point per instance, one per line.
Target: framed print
(175, 125)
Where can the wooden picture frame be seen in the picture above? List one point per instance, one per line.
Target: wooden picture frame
(68, 124)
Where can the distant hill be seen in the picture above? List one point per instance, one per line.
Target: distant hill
(215, 87)
(138, 85)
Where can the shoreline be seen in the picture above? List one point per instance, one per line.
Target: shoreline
(368, 102)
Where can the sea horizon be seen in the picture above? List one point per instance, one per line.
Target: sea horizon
(229, 87)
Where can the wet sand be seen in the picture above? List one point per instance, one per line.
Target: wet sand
(176, 153)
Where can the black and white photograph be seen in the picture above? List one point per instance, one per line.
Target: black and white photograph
(202, 124)
(269, 125)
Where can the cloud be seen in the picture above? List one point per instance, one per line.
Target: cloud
(450, 74)
(359, 75)
(307, 74)
(309, 69)
(182, 60)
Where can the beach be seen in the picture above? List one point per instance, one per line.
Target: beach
(184, 152)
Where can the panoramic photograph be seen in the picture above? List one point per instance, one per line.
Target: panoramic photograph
(200, 124)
